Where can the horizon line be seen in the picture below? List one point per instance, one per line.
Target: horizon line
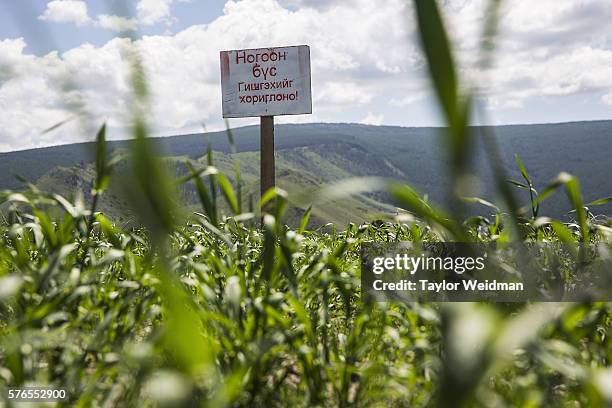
(312, 123)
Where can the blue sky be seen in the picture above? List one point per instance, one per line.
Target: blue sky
(20, 19)
(554, 61)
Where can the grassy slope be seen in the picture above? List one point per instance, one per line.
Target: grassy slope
(311, 154)
(299, 170)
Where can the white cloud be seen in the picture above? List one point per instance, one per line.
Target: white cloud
(548, 48)
(33, 98)
(308, 3)
(66, 11)
(116, 23)
(342, 93)
(183, 69)
(154, 11)
(409, 99)
(149, 12)
(364, 59)
(373, 119)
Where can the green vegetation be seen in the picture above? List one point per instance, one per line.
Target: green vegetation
(216, 312)
(299, 169)
(413, 155)
(208, 309)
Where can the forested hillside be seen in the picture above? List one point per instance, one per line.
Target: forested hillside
(310, 155)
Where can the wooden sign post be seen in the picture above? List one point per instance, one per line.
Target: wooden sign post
(266, 82)
(267, 165)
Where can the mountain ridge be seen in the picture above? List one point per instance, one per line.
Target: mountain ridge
(179, 135)
(329, 152)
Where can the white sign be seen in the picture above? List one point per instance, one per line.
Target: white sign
(266, 82)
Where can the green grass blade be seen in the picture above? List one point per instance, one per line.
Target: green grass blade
(237, 174)
(601, 201)
(435, 44)
(102, 167)
(523, 170)
(203, 194)
(304, 220)
(228, 193)
(414, 203)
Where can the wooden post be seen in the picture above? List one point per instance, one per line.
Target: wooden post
(267, 157)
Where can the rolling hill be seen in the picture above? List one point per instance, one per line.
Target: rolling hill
(312, 155)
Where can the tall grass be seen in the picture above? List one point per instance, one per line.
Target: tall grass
(207, 309)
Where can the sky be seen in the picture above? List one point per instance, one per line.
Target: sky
(553, 62)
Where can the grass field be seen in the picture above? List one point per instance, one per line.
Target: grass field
(212, 311)
(208, 308)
